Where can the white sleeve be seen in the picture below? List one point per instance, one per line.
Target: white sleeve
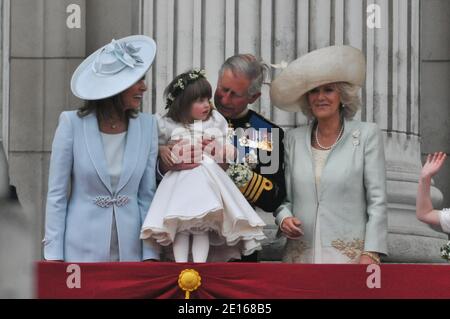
(163, 130)
(444, 217)
(220, 122)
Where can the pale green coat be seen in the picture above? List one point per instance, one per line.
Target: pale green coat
(352, 198)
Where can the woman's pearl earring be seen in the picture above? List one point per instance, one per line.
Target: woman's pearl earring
(343, 105)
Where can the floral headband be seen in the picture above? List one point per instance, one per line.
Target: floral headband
(182, 83)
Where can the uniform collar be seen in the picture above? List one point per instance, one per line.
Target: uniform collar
(242, 120)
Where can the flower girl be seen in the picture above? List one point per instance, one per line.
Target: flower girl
(203, 202)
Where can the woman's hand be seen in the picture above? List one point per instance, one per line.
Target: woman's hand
(290, 226)
(367, 260)
(433, 164)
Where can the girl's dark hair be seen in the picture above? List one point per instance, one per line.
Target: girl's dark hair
(180, 107)
(105, 107)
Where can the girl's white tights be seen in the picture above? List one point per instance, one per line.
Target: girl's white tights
(181, 248)
(200, 247)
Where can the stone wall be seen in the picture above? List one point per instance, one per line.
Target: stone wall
(44, 53)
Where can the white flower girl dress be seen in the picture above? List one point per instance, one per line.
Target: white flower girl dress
(203, 199)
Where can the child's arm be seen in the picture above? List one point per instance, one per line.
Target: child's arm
(424, 206)
(216, 144)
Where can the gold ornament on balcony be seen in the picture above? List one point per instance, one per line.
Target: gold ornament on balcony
(189, 280)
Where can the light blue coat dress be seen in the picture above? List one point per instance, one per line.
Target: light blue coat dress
(80, 199)
(351, 199)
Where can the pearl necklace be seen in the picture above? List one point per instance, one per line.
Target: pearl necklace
(335, 142)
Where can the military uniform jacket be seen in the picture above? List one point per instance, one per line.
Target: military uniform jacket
(260, 143)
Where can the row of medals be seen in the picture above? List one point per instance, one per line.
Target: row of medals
(256, 139)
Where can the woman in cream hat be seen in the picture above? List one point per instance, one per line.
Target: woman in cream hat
(102, 167)
(335, 210)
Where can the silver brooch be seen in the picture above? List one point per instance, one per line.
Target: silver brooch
(106, 201)
(356, 135)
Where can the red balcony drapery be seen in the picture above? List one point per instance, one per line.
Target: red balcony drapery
(242, 280)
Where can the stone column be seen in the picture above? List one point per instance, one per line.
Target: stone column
(435, 84)
(392, 100)
(44, 54)
(16, 271)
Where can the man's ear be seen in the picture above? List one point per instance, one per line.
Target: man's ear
(254, 97)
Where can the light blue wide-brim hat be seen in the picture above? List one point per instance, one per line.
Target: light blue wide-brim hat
(113, 68)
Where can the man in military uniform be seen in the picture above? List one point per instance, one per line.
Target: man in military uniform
(257, 140)
(239, 85)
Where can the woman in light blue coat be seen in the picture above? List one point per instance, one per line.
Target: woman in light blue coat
(335, 210)
(102, 167)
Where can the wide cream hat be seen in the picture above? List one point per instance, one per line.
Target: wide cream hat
(339, 63)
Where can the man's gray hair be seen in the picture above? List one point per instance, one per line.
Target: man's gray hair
(251, 67)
